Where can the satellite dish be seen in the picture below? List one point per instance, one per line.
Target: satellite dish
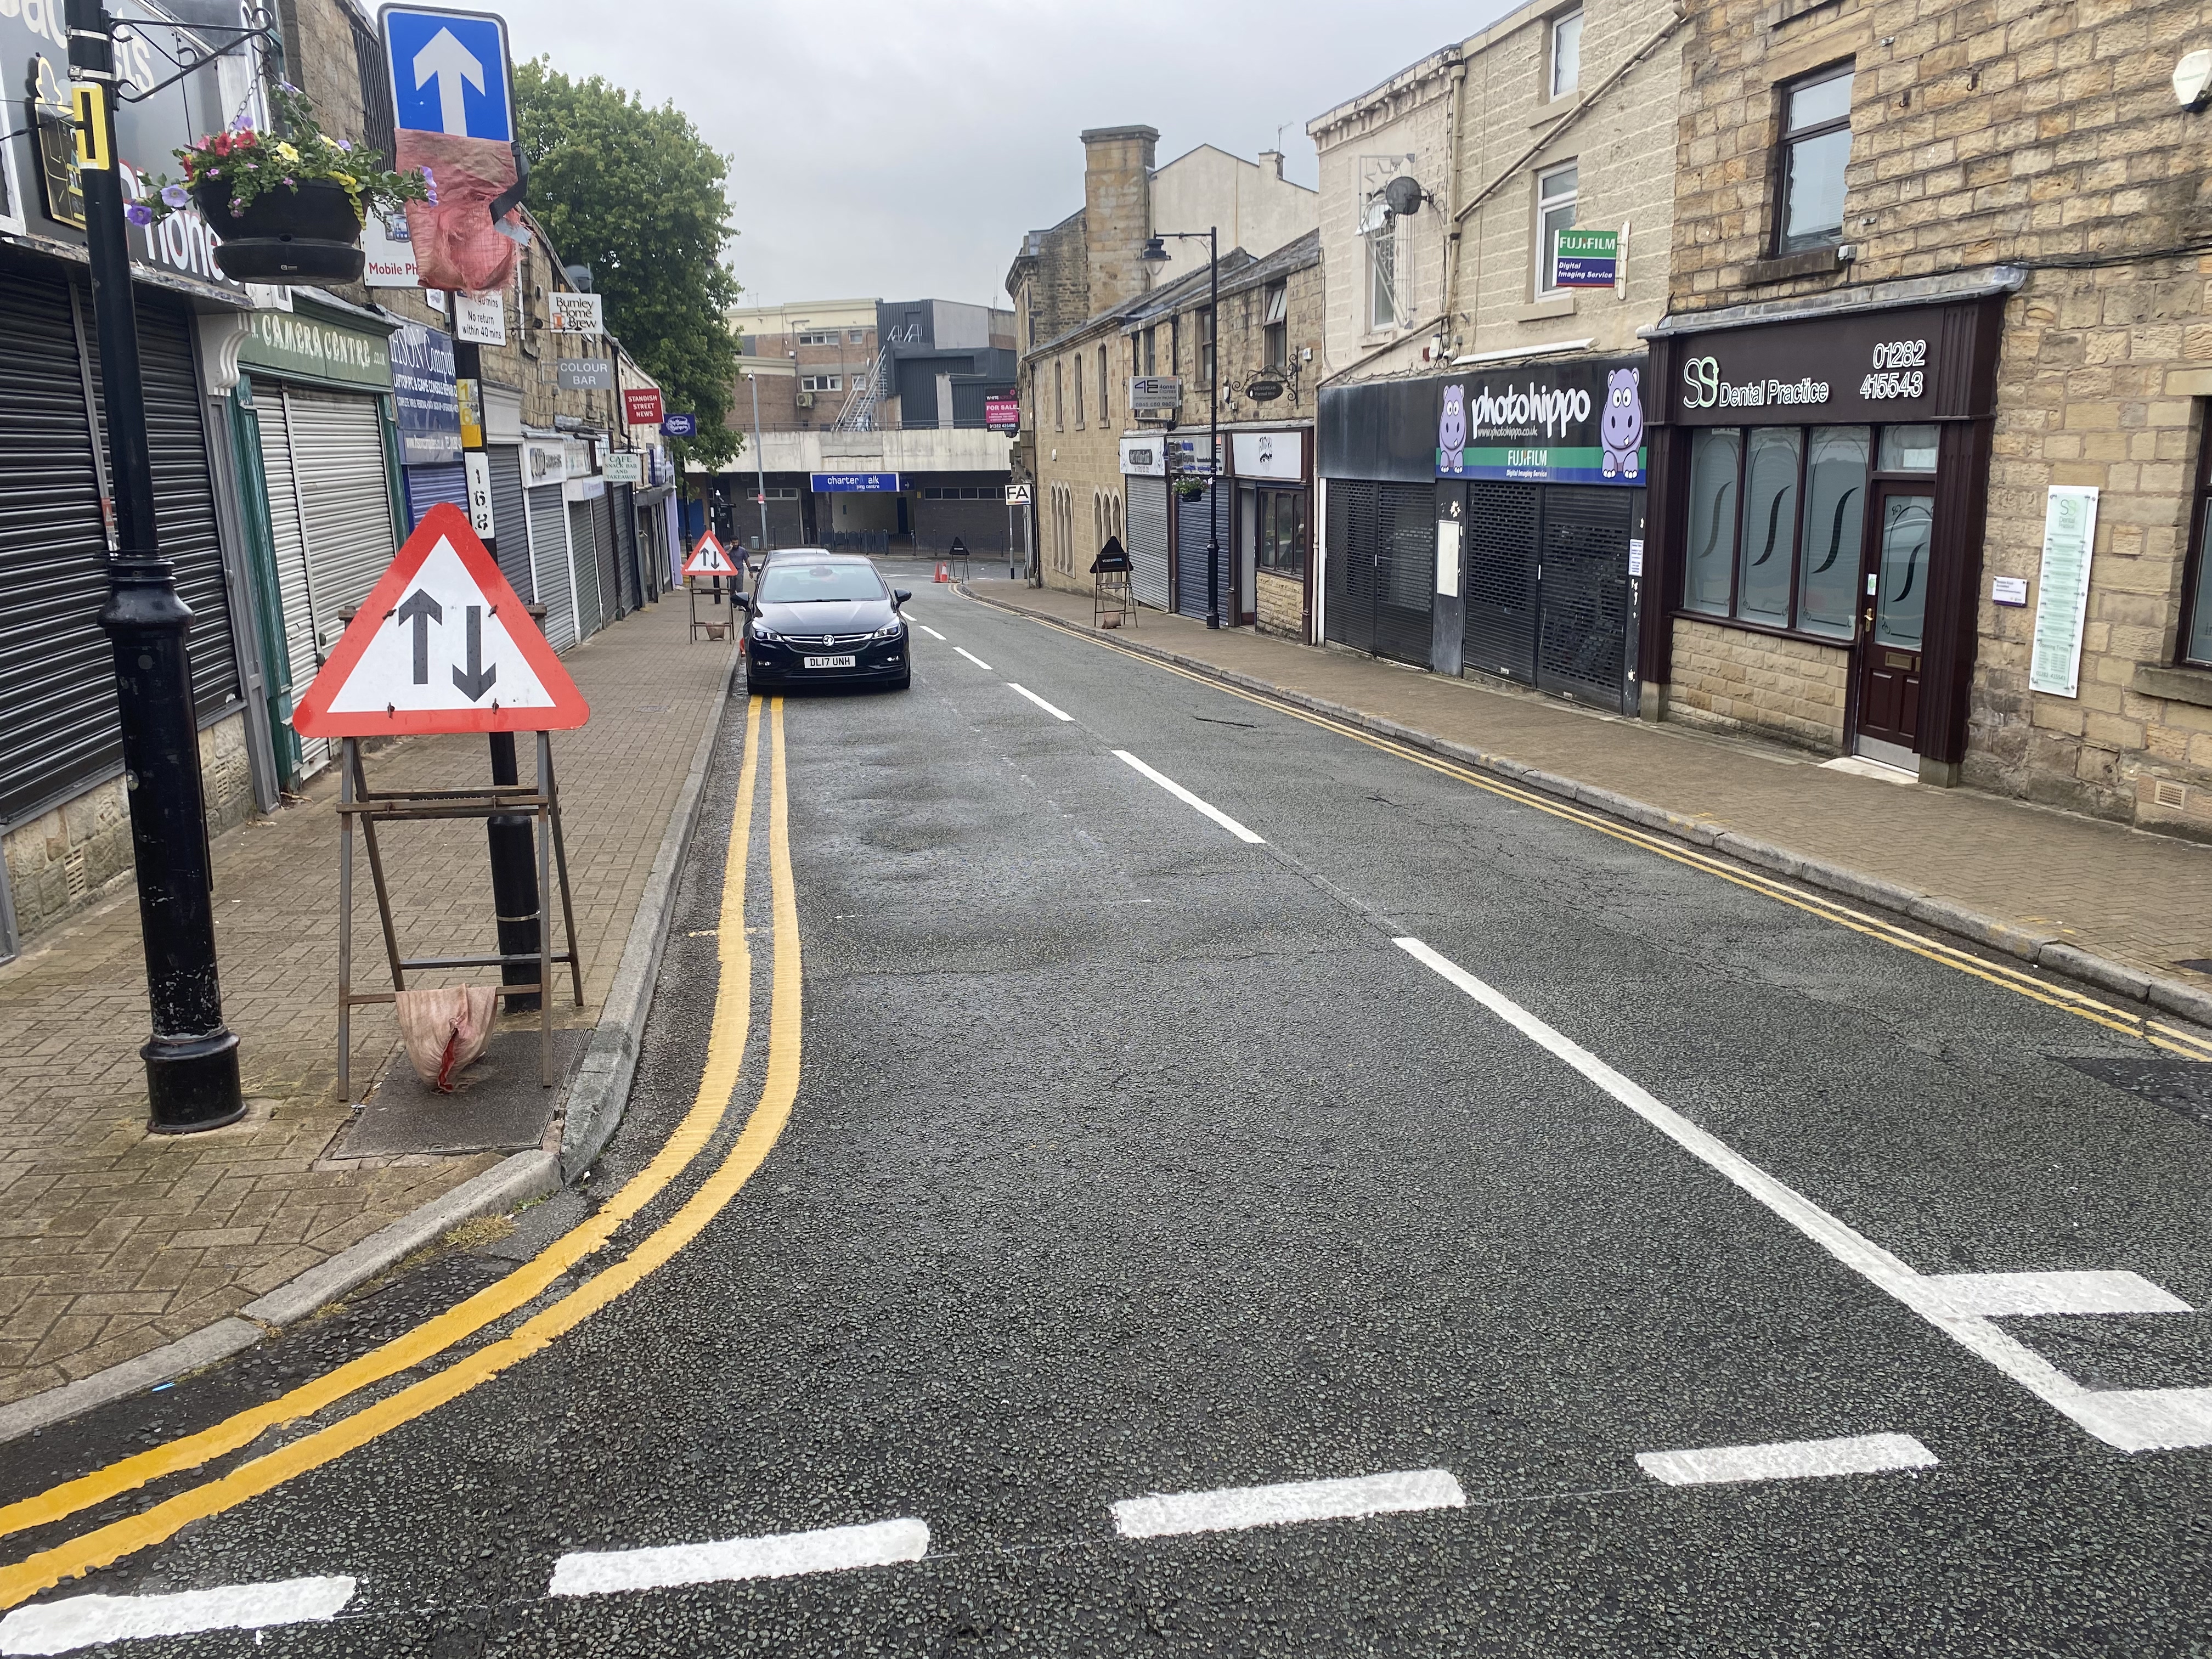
(579, 277)
(1405, 195)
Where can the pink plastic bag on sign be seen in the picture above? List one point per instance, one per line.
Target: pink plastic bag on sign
(445, 1030)
(456, 244)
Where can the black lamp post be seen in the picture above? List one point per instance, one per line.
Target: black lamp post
(192, 1058)
(1155, 254)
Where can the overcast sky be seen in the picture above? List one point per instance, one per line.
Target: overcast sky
(899, 150)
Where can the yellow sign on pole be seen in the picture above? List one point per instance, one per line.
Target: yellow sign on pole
(90, 99)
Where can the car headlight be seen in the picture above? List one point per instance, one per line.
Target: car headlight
(891, 633)
(761, 633)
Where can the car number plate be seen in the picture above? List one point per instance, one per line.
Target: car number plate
(830, 662)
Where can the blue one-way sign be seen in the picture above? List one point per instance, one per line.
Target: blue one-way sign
(449, 72)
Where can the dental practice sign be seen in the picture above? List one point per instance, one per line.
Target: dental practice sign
(1570, 422)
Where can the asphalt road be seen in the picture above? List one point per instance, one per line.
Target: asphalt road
(1422, 1135)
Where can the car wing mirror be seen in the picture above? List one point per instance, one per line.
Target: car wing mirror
(743, 601)
(901, 595)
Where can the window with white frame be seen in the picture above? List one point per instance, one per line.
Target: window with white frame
(1555, 212)
(821, 383)
(1274, 327)
(1378, 229)
(1567, 54)
(829, 338)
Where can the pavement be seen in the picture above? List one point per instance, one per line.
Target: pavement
(114, 1242)
(1180, 1178)
(2140, 900)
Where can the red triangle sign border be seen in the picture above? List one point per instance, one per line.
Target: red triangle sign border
(311, 715)
(692, 567)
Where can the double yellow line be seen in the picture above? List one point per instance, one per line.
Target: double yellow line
(725, 1048)
(2158, 1033)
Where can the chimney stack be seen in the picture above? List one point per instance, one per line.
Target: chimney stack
(1117, 211)
(1273, 158)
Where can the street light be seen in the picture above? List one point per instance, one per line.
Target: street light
(1154, 253)
(191, 1057)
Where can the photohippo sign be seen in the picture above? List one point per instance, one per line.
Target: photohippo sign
(1578, 422)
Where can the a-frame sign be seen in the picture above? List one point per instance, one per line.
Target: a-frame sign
(442, 643)
(707, 559)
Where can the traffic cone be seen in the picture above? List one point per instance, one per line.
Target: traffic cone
(944, 572)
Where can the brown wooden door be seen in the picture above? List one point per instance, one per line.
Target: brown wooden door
(1892, 619)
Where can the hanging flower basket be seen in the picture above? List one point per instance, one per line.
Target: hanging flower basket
(289, 208)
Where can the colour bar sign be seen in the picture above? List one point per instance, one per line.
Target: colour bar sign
(1586, 258)
(854, 483)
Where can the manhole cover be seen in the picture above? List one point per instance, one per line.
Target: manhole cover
(2180, 1085)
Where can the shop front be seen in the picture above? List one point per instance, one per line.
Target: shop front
(1145, 483)
(311, 426)
(1490, 521)
(1273, 520)
(544, 462)
(1823, 481)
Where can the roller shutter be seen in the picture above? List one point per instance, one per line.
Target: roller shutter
(584, 561)
(289, 544)
(1147, 510)
(1194, 527)
(613, 600)
(56, 674)
(345, 501)
(428, 486)
(633, 571)
(1350, 586)
(1405, 570)
(1500, 626)
(183, 496)
(549, 564)
(510, 533)
(1581, 643)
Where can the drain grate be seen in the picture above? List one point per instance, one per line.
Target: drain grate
(2180, 1085)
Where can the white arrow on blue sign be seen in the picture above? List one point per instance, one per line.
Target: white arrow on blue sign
(449, 72)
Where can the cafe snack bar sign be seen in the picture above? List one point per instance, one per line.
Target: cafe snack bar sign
(1926, 362)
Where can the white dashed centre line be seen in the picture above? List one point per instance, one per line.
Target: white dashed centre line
(1788, 1459)
(927, 629)
(973, 658)
(1189, 799)
(781, 1555)
(1233, 1509)
(83, 1621)
(1056, 714)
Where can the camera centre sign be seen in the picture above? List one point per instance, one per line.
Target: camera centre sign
(1569, 422)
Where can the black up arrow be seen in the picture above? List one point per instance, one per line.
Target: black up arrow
(478, 679)
(421, 610)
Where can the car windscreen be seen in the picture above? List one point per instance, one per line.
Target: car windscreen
(796, 584)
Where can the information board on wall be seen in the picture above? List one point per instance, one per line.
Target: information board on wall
(2062, 604)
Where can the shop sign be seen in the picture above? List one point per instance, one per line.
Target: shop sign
(1193, 455)
(863, 484)
(642, 406)
(1143, 458)
(543, 463)
(388, 253)
(1002, 413)
(1871, 366)
(1268, 454)
(307, 347)
(1572, 423)
(577, 313)
(426, 404)
(1585, 259)
(480, 318)
(625, 467)
(1155, 394)
(468, 395)
(586, 374)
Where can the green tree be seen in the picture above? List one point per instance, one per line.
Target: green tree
(637, 194)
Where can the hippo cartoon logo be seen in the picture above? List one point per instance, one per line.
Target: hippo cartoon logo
(1451, 431)
(1622, 424)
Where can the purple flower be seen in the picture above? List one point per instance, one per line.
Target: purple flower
(241, 122)
(430, 184)
(288, 86)
(177, 195)
(346, 144)
(138, 213)
(292, 181)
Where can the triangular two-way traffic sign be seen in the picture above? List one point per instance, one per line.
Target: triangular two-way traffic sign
(707, 559)
(440, 644)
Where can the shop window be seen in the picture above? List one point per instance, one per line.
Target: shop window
(1279, 527)
(1379, 231)
(1555, 212)
(1816, 148)
(1567, 54)
(1275, 327)
(1908, 448)
(2197, 617)
(1102, 386)
(1753, 554)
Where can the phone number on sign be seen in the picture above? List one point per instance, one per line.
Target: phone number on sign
(1898, 372)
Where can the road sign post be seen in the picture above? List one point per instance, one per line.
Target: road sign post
(191, 1057)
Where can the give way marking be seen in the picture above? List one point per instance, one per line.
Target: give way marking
(2131, 1419)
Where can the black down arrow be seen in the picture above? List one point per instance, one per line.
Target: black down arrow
(478, 679)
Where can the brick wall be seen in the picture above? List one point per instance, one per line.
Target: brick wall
(1733, 679)
(75, 855)
(1282, 604)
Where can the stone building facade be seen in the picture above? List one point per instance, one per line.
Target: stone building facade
(2034, 164)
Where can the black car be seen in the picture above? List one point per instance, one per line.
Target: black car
(827, 620)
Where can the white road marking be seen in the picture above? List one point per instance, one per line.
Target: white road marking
(1788, 1459)
(927, 629)
(2131, 1419)
(1189, 799)
(973, 658)
(1993, 1295)
(1235, 1508)
(1056, 714)
(781, 1555)
(81, 1621)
